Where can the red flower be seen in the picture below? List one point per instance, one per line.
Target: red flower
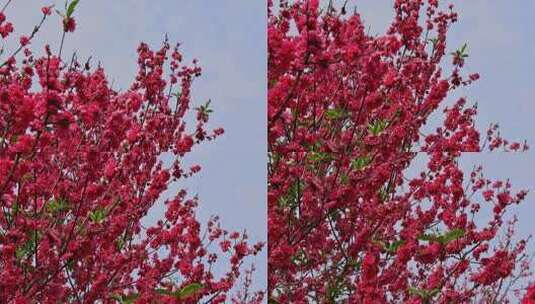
(24, 40)
(369, 267)
(529, 297)
(69, 24)
(46, 10)
(6, 29)
(24, 144)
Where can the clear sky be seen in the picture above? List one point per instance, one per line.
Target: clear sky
(229, 39)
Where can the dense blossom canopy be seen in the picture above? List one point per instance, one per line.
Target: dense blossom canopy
(346, 116)
(81, 165)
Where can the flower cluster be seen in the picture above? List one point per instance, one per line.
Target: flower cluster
(346, 116)
(81, 165)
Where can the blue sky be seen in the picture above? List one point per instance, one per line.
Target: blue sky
(229, 39)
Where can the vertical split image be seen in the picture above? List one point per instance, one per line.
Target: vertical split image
(277, 152)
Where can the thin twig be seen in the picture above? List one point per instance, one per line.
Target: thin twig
(6, 5)
(61, 44)
(35, 30)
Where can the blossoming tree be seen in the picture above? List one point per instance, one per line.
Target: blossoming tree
(81, 165)
(346, 116)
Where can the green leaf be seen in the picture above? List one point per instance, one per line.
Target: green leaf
(29, 247)
(300, 258)
(416, 292)
(15, 209)
(163, 291)
(120, 244)
(344, 178)
(291, 197)
(354, 264)
(423, 294)
(336, 113)
(393, 247)
(462, 52)
(434, 292)
(71, 8)
(383, 194)
(185, 292)
(389, 247)
(361, 162)
(272, 301)
(206, 106)
(188, 291)
(333, 291)
(463, 48)
(318, 157)
(453, 235)
(117, 298)
(434, 41)
(204, 110)
(57, 205)
(428, 237)
(377, 126)
(444, 238)
(274, 158)
(69, 264)
(98, 216)
(314, 146)
(129, 299)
